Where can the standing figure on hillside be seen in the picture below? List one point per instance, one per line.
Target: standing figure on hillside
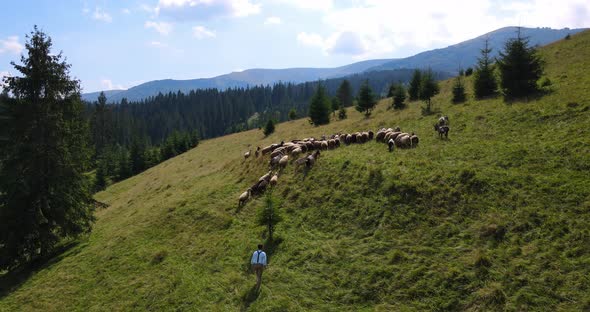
(258, 263)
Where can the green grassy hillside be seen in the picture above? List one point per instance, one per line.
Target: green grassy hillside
(495, 218)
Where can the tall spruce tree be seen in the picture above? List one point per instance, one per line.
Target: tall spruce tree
(366, 99)
(44, 195)
(319, 108)
(428, 88)
(269, 128)
(520, 68)
(344, 93)
(414, 88)
(484, 81)
(101, 125)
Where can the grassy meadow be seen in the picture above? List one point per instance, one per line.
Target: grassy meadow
(496, 218)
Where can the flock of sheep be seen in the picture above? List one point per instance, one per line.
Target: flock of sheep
(281, 153)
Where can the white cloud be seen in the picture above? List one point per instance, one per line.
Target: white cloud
(201, 32)
(161, 27)
(322, 5)
(11, 45)
(310, 39)
(273, 20)
(384, 28)
(206, 9)
(158, 44)
(101, 15)
(107, 84)
(126, 11)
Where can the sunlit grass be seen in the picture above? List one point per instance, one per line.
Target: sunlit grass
(495, 218)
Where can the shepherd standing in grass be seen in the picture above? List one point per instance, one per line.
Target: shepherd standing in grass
(258, 263)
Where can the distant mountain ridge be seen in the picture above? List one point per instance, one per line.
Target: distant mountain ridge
(449, 59)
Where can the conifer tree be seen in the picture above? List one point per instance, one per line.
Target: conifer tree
(365, 100)
(399, 96)
(335, 105)
(428, 88)
(292, 114)
(319, 108)
(344, 93)
(520, 68)
(269, 128)
(484, 81)
(44, 194)
(342, 113)
(459, 95)
(414, 88)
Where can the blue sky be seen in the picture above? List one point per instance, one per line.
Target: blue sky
(118, 44)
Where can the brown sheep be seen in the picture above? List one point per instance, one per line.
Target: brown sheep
(274, 179)
(380, 136)
(265, 177)
(296, 152)
(257, 151)
(331, 143)
(317, 145)
(283, 162)
(364, 137)
(324, 145)
(244, 197)
(267, 150)
(371, 135)
(394, 135)
(277, 152)
(275, 161)
(403, 141)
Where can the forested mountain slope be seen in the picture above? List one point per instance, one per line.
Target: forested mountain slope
(494, 218)
(449, 59)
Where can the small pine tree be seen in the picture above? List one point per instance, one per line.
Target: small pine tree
(100, 180)
(392, 89)
(468, 72)
(459, 95)
(269, 215)
(414, 88)
(342, 113)
(365, 100)
(269, 128)
(344, 94)
(520, 68)
(335, 105)
(484, 81)
(399, 96)
(428, 88)
(319, 108)
(292, 114)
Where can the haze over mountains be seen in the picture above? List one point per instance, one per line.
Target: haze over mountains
(448, 59)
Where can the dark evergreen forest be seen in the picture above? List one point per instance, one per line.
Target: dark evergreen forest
(214, 113)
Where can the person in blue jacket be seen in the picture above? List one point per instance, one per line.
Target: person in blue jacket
(258, 263)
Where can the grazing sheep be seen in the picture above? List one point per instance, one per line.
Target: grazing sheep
(380, 136)
(244, 197)
(394, 135)
(267, 149)
(397, 129)
(403, 141)
(443, 121)
(414, 140)
(277, 152)
(275, 161)
(261, 187)
(324, 145)
(296, 152)
(442, 130)
(317, 145)
(257, 151)
(274, 180)
(331, 143)
(283, 162)
(391, 144)
(247, 154)
(364, 137)
(265, 177)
